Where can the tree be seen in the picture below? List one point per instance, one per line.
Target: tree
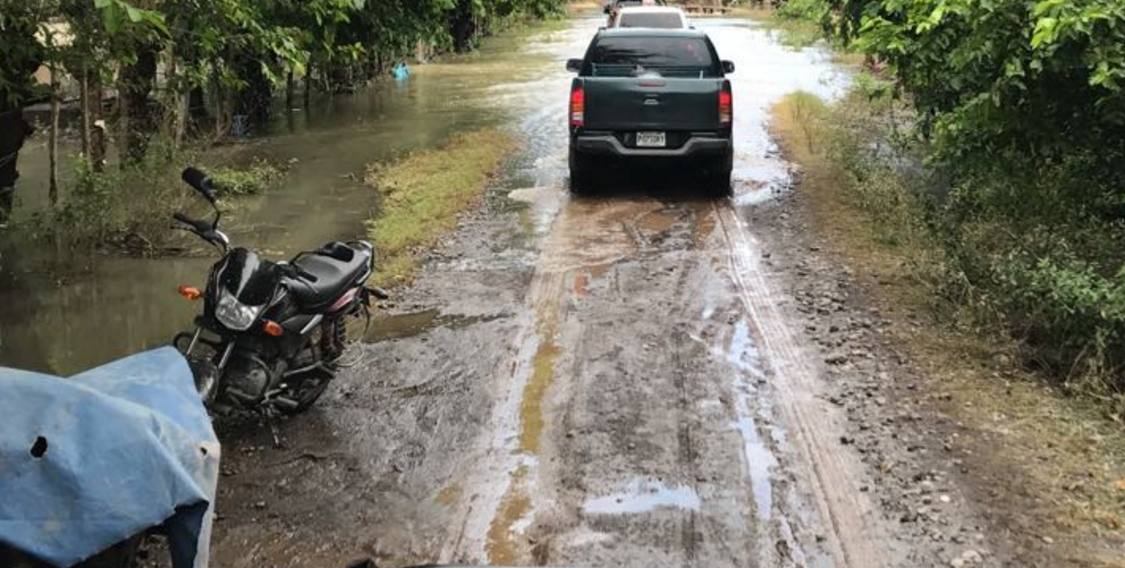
(21, 56)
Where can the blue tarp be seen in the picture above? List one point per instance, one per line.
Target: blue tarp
(127, 447)
(400, 71)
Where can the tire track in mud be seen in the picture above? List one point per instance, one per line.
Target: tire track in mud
(584, 503)
(506, 478)
(824, 467)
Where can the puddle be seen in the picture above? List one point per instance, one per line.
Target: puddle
(449, 495)
(531, 409)
(401, 326)
(655, 223)
(759, 458)
(511, 519)
(643, 497)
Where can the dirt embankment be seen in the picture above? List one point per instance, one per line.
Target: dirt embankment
(1045, 470)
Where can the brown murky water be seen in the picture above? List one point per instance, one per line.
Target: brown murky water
(125, 304)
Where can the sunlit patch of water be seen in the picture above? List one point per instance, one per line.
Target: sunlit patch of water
(643, 496)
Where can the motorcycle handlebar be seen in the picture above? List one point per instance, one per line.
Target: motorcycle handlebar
(199, 226)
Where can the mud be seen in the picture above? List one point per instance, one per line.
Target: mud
(627, 379)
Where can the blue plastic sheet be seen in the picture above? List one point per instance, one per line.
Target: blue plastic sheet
(126, 447)
(400, 71)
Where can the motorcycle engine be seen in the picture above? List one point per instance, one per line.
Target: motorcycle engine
(250, 378)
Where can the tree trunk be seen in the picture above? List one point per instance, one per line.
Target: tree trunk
(53, 143)
(83, 107)
(197, 108)
(13, 131)
(93, 122)
(183, 105)
(462, 25)
(252, 100)
(289, 92)
(137, 124)
(308, 85)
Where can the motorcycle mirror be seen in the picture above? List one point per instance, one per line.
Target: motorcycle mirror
(201, 183)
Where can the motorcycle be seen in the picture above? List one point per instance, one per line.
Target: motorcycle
(271, 335)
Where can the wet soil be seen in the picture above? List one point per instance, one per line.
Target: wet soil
(638, 378)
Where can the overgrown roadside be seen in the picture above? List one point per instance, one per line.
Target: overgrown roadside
(127, 210)
(1049, 468)
(423, 194)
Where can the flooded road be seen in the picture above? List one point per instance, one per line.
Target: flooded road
(611, 380)
(58, 324)
(615, 380)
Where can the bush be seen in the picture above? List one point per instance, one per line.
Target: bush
(129, 209)
(1036, 252)
(259, 177)
(811, 10)
(1018, 112)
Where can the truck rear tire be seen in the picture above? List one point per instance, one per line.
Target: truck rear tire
(718, 178)
(581, 174)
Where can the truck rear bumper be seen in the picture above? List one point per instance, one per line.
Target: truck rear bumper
(609, 145)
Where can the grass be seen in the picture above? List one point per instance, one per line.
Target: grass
(796, 29)
(424, 193)
(259, 177)
(795, 33)
(1030, 443)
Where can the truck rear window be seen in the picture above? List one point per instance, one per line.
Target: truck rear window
(623, 56)
(669, 20)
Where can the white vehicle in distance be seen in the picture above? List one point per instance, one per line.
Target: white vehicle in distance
(664, 17)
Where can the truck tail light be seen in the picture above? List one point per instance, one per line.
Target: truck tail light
(726, 105)
(577, 105)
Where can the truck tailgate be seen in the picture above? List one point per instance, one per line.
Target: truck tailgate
(630, 103)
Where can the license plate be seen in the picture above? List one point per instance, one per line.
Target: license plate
(651, 140)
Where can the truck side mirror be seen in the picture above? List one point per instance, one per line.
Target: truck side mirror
(728, 66)
(574, 65)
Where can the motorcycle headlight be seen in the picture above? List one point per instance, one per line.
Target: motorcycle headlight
(235, 315)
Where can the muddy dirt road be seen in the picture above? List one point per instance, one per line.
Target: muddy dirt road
(606, 381)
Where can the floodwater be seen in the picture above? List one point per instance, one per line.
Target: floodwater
(69, 323)
(606, 380)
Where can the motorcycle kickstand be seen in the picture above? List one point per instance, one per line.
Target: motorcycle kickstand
(271, 414)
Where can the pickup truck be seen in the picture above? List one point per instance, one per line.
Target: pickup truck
(650, 97)
(650, 17)
(614, 6)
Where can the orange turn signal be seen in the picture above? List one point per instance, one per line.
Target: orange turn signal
(273, 328)
(190, 292)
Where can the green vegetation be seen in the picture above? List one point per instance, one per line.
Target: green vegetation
(798, 22)
(1017, 112)
(423, 194)
(862, 186)
(183, 72)
(233, 182)
(128, 210)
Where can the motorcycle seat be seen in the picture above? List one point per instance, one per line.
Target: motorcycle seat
(330, 272)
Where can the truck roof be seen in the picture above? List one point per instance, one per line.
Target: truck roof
(651, 32)
(652, 10)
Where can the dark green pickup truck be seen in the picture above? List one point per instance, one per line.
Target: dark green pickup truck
(651, 96)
